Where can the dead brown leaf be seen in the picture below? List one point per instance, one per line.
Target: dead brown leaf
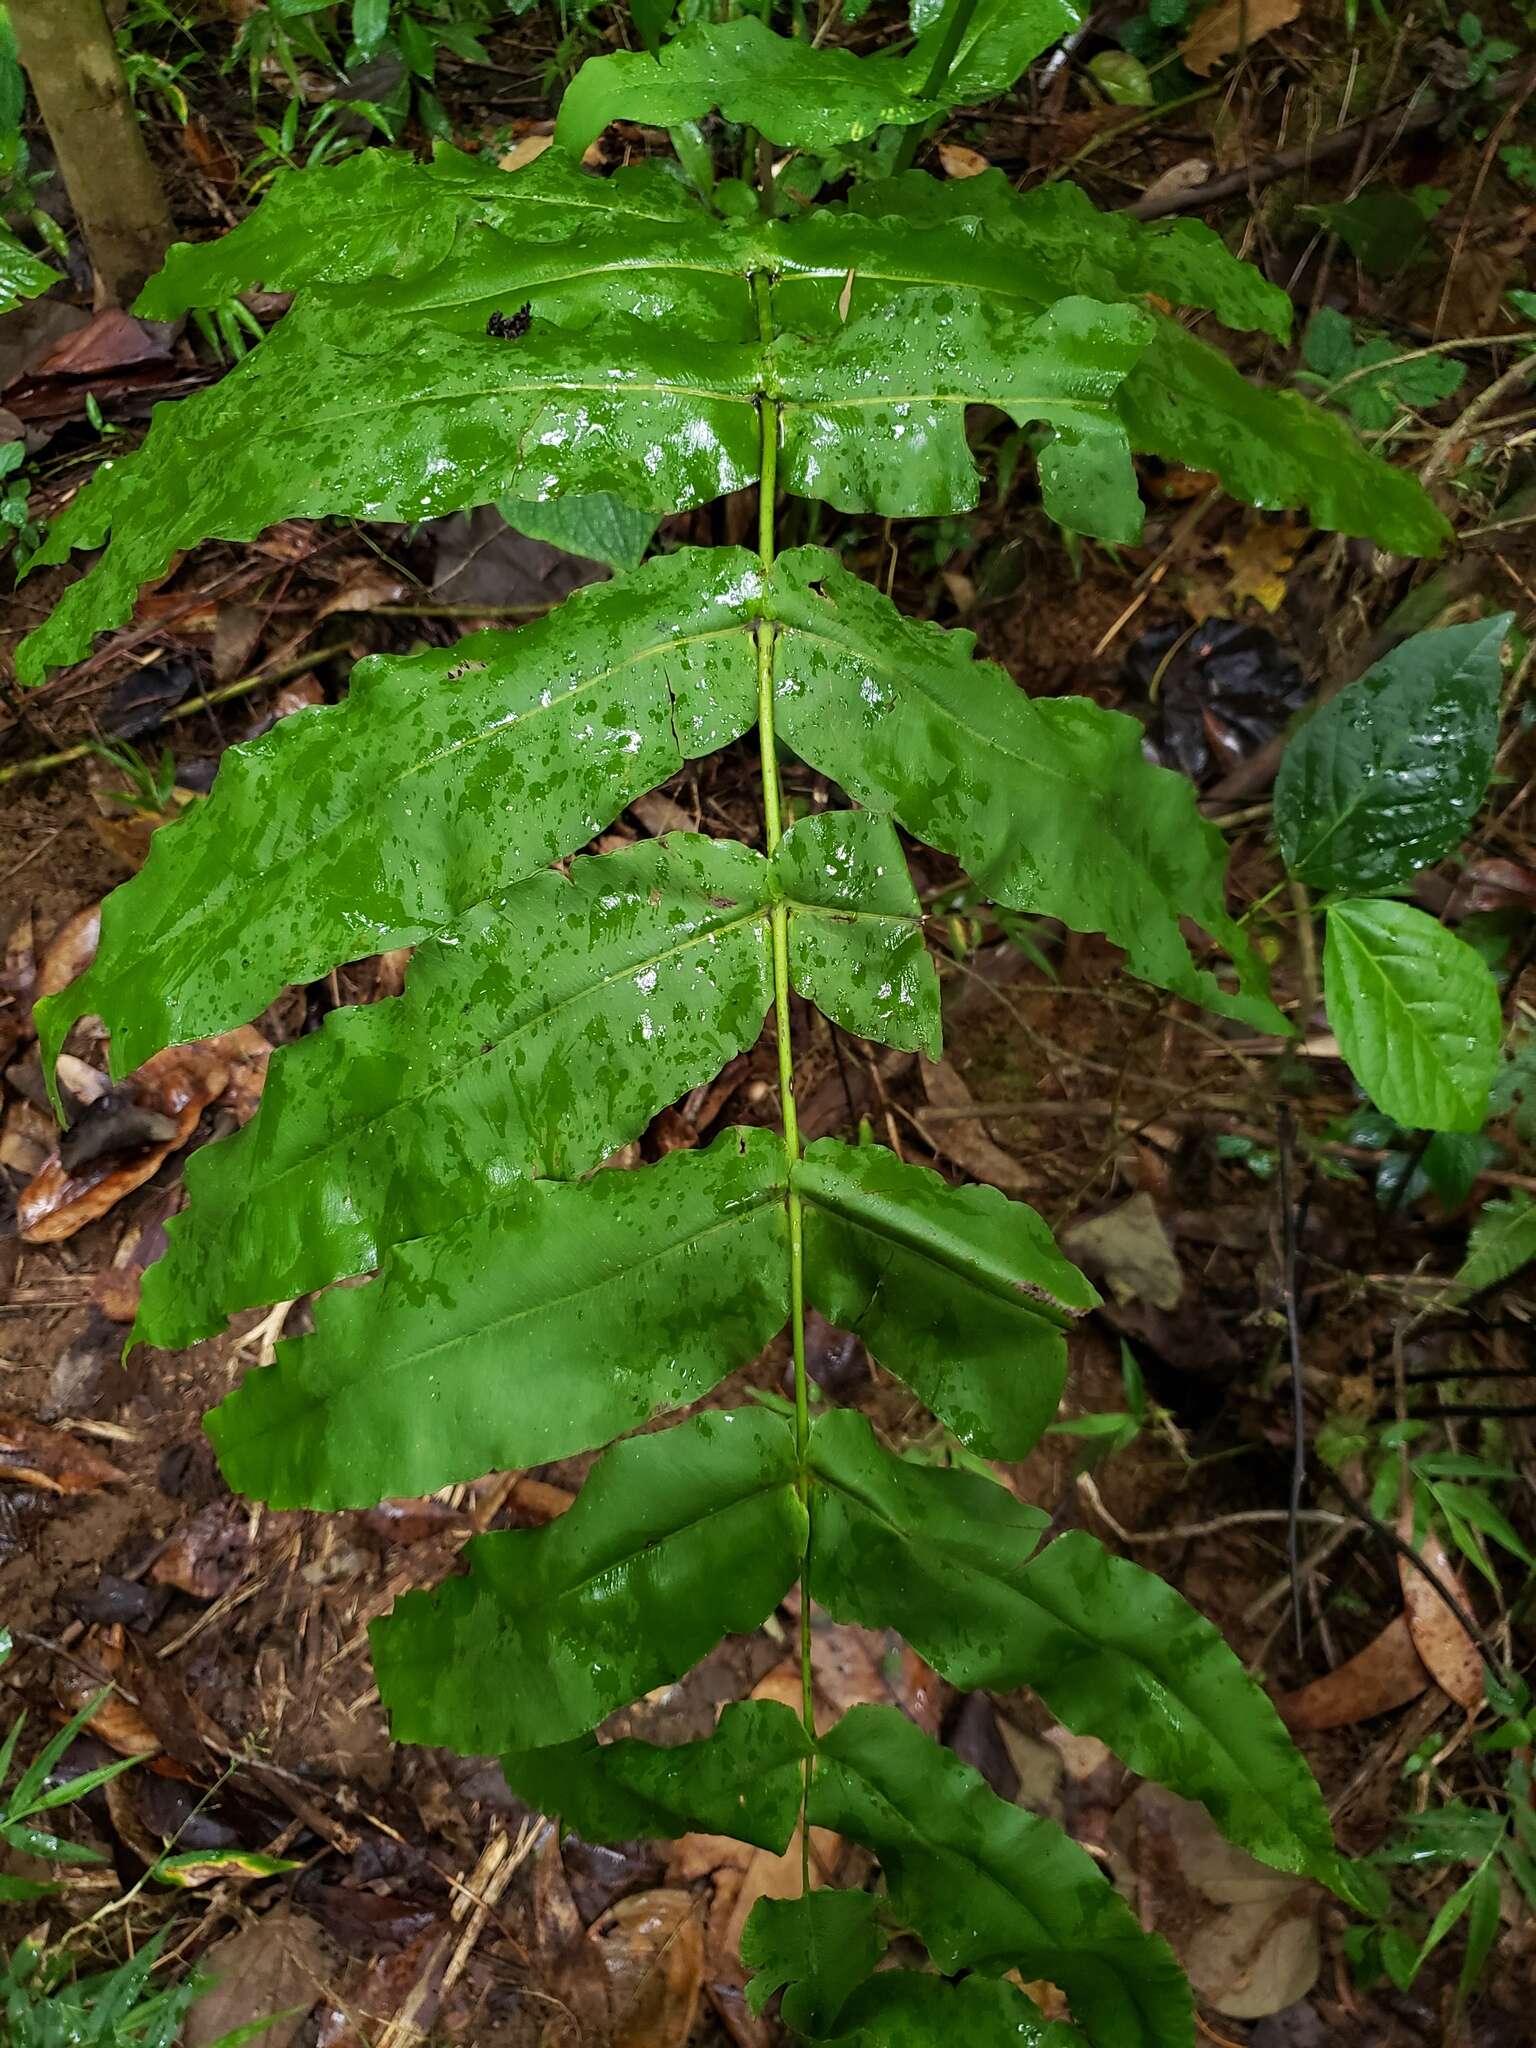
(372, 584)
(960, 162)
(18, 973)
(1452, 1656)
(964, 1140)
(278, 1964)
(1258, 563)
(209, 1554)
(1387, 1673)
(652, 1950)
(116, 1290)
(34, 1455)
(72, 950)
(117, 1722)
(1230, 26)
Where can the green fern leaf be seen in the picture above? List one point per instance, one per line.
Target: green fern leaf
(958, 1291)
(988, 1887)
(554, 1628)
(539, 1035)
(445, 777)
(493, 1345)
(1111, 1649)
(1049, 803)
(743, 1780)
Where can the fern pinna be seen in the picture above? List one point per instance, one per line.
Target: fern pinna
(678, 345)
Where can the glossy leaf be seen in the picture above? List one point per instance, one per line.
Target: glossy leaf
(1415, 1011)
(1503, 1241)
(1056, 240)
(856, 945)
(1113, 1652)
(990, 1887)
(798, 95)
(1188, 404)
(817, 1949)
(1049, 803)
(556, 1320)
(554, 1628)
(600, 527)
(384, 214)
(540, 1034)
(445, 776)
(744, 1780)
(905, 2009)
(1387, 776)
(958, 1291)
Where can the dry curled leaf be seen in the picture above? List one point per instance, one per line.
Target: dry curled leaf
(1129, 1249)
(963, 1140)
(51, 1459)
(1453, 1658)
(209, 1554)
(1387, 1673)
(652, 1950)
(960, 162)
(1230, 26)
(72, 950)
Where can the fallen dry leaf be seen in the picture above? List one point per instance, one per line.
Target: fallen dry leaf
(1233, 25)
(528, 146)
(1439, 1638)
(1246, 1935)
(279, 1964)
(117, 1722)
(960, 162)
(963, 1140)
(18, 972)
(1257, 564)
(1387, 1673)
(177, 1084)
(1129, 1249)
(51, 1459)
(652, 1950)
(72, 950)
(373, 584)
(209, 1554)
(246, 1053)
(116, 1291)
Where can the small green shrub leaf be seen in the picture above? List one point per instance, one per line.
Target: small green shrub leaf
(1049, 803)
(494, 1344)
(856, 945)
(744, 1780)
(676, 1540)
(22, 275)
(816, 1949)
(599, 526)
(958, 1291)
(1415, 1011)
(540, 1034)
(1113, 1652)
(989, 1887)
(1503, 1240)
(1387, 776)
(906, 2009)
(444, 777)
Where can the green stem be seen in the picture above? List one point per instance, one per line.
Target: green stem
(955, 26)
(773, 832)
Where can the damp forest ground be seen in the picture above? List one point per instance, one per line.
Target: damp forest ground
(1196, 1172)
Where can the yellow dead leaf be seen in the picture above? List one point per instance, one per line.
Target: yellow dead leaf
(960, 162)
(1258, 563)
(1233, 25)
(527, 147)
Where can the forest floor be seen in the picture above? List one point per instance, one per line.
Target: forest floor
(1198, 1174)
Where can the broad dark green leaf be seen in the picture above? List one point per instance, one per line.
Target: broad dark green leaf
(989, 1887)
(1415, 1011)
(1056, 240)
(856, 945)
(383, 214)
(905, 2009)
(553, 1321)
(22, 275)
(676, 1540)
(873, 417)
(343, 411)
(1049, 803)
(536, 1037)
(958, 1291)
(948, 1547)
(1503, 1240)
(1187, 403)
(817, 1949)
(446, 776)
(745, 1780)
(1113, 1652)
(600, 527)
(796, 94)
(1386, 777)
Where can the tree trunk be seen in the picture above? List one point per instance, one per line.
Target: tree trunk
(71, 59)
